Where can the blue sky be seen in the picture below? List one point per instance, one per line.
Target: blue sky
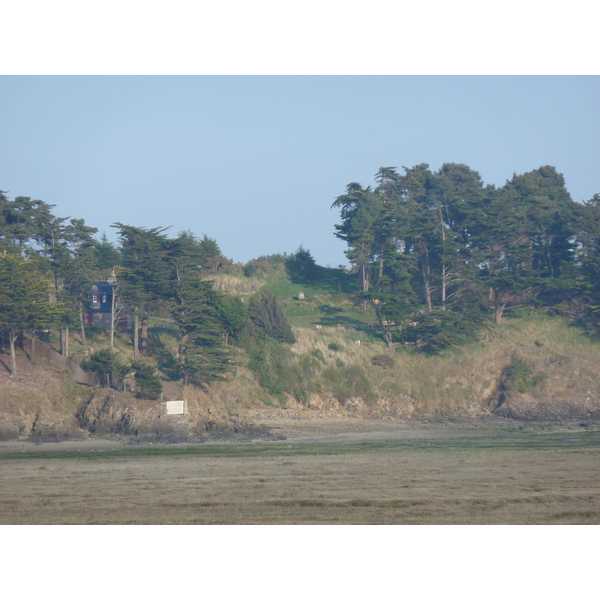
(256, 161)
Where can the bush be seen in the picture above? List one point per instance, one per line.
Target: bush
(383, 361)
(521, 377)
(148, 385)
(267, 314)
(108, 366)
(257, 267)
(318, 355)
(302, 266)
(273, 365)
(335, 347)
(433, 332)
(348, 382)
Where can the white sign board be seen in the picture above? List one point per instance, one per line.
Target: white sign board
(176, 407)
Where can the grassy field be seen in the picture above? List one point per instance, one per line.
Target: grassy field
(525, 478)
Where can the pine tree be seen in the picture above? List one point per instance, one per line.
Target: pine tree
(24, 300)
(146, 276)
(203, 355)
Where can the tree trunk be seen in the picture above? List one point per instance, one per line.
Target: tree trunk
(32, 359)
(364, 283)
(385, 327)
(82, 324)
(67, 340)
(12, 337)
(136, 337)
(144, 340)
(112, 320)
(426, 271)
(499, 306)
(364, 277)
(498, 313)
(444, 276)
(428, 292)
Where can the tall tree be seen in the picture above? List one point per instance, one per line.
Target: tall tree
(588, 256)
(361, 212)
(203, 355)
(552, 218)
(455, 188)
(147, 271)
(500, 245)
(106, 255)
(71, 263)
(24, 300)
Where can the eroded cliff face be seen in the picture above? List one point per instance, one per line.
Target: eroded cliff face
(108, 412)
(45, 404)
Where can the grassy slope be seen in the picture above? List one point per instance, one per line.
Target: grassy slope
(336, 372)
(334, 362)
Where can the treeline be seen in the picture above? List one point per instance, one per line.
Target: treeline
(437, 252)
(48, 265)
(436, 255)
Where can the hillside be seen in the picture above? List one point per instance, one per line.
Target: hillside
(532, 368)
(461, 300)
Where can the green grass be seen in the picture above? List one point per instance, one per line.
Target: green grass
(329, 282)
(518, 441)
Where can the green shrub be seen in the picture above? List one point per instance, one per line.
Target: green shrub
(348, 382)
(318, 355)
(268, 317)
(521, 377)
(109, 367)
(148, 385)
(276, 371)
(334, 346)
(302, 266)
(383, 360)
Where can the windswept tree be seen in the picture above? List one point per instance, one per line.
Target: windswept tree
(25, 301)
(203, 355)
(146, 276)
(360, 211)
(588, 255)
(456, 242)
(455, 188)
(552, 218)
(71, 263)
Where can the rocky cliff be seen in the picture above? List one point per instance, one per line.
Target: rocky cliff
(542, 371)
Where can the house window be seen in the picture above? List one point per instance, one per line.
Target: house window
(94, 298)
(103, 298)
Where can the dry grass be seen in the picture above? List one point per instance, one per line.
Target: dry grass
(465, 381)
(236, 286)
(294, 485)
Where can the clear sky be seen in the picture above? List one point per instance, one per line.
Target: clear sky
(256, 161)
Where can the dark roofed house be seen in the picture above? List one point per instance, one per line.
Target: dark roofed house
(99, 309)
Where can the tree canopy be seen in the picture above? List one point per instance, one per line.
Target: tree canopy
(436, 255)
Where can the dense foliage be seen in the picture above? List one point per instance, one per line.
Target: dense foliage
(435, 251)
